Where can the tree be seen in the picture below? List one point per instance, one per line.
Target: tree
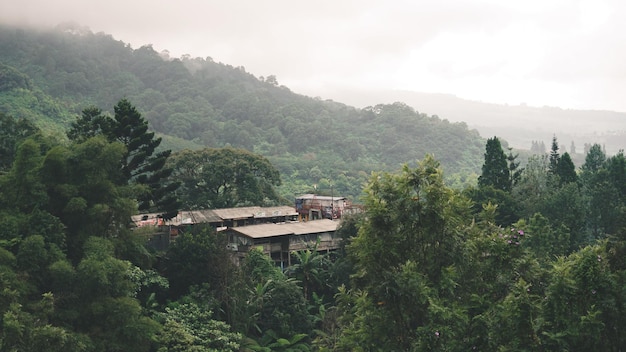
(309, 268)
(581, 309)
(198, 257)
(83, 192)
(533, 185)
(190, 326)
(594, 160)
(616, 166)
(12, 133)
(104, 308)
(602, 195)
(140, 164)
(554, 157)
(565, 169)
(24, 189)
(91, 123)
(405, 252)
(507, 208)
(281, 308)
(495, 170)
(514, 170)
(224, 178)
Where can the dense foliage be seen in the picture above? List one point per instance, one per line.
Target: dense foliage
(193, 103)
(537, 265)
(223, 178)
(424, 268)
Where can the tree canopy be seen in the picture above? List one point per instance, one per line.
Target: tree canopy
(224, 178)
(140, 164)
(495, 170)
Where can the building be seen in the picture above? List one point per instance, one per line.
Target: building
(229, 217)
(313, 206)
(280, 239)
(275, 231)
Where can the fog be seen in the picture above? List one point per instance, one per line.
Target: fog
(568, 54)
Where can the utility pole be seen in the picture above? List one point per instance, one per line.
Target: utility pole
(332, 203)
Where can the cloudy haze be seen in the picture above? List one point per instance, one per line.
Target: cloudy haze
(569, 54)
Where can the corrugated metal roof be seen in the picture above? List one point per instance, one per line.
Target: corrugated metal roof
(216, 215)
(318, 197)
(270, 212)
(236, 213)
(198, 216)
(290, 228)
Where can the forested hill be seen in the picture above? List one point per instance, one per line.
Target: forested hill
(51, 76)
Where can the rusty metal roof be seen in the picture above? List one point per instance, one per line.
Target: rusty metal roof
(318, 197)
(270, 212)
(289, 228)
(236, 213)
(216, 215)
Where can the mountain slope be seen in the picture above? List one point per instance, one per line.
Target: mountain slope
(196, 102)
(517, 124)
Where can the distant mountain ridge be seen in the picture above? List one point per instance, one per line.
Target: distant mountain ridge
(519, 125)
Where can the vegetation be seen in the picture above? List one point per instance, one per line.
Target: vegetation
(425, 268)
(532, 262)
(196, 103)
(223, 178)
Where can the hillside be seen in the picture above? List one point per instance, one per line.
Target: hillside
(518, 124)
(51, 76)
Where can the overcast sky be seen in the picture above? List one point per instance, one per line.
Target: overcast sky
(565, 53)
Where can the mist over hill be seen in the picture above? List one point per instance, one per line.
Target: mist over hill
(50, 76)
(520, 125)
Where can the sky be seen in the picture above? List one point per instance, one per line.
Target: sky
(563, 53)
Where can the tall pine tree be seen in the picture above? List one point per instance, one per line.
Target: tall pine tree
(141, 163)
(565, 169)
(554, 156)
(495, 171)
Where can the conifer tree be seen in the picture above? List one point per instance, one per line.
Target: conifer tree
(141, 163)
(565, 169)
(554, 156)
(495, 171)
(514, 171)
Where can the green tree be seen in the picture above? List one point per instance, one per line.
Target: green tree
(515, 172)
(554, 157)
(224, 178)
(495, 170)
(309, 268)
(533, 186)
(141, 164)
(581, 310)
(566, 170)
(12, 133)
(198, 257)
(91, 123)
(105, 309)
(415, 221)
(594, 160)
(30, 330)
(507, 207)
(24, 190)
(191, 327)
(256, 271)
(602, 195)
(81, 184)
(280, 307)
